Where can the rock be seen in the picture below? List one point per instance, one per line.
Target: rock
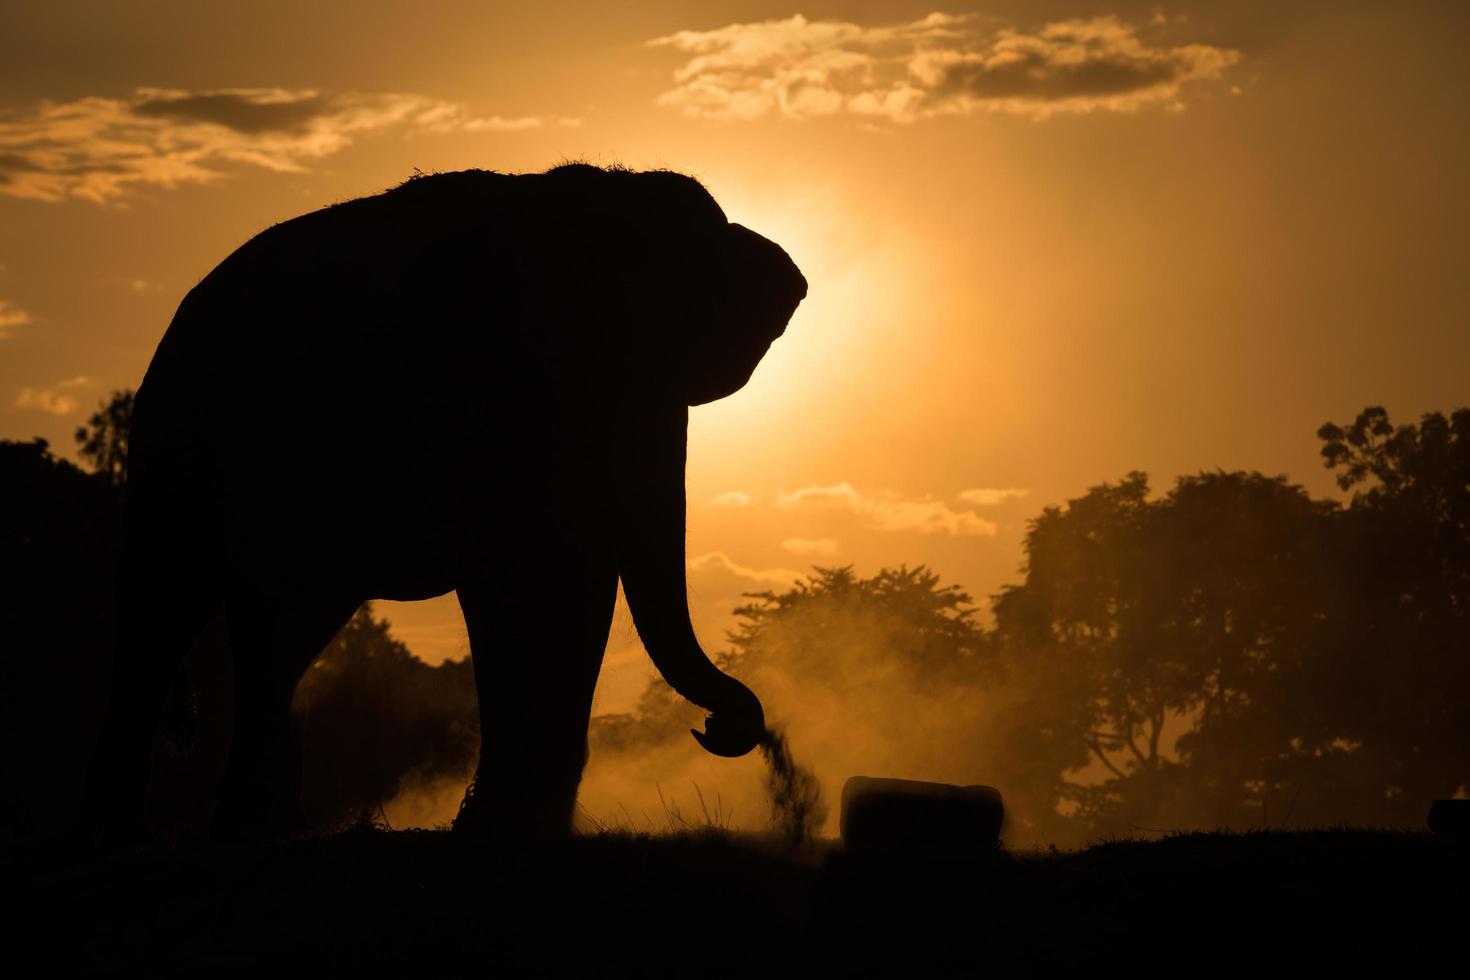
(889, 813)
(1447, 817)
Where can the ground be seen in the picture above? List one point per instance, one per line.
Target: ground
(371, 901)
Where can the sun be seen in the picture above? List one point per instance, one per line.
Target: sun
(859, 295)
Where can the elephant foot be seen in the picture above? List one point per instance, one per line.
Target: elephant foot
(540, 817)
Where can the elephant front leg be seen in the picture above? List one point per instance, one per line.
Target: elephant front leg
(537, 646)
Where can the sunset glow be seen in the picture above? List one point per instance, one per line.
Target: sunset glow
(1048, 243)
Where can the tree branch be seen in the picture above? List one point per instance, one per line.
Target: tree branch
(1102, 757)
(1133, 747)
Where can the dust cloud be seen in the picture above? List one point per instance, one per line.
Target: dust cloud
(878, 715)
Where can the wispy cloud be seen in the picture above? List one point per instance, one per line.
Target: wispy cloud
(716, 571)
(55, 400)
(992, 496)
(890, 512)
(733, 498)
(811, 547)
(511, 124)
(11, 316)
(97, 147)
(942, 64)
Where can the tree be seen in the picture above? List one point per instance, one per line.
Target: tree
(1431, 459)
(103, 441)
(374, 715)
(1139, 617)
(1402, 647)
(822, 627)
(660, 718)
(1245, 590)
(58, 536)
(832, 635)
(887, 675)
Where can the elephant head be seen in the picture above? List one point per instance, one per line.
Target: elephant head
(702, 299)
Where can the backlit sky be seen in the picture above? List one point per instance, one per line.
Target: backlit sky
(1048, 242)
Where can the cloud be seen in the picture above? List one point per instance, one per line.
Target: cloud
(991, 496)
(97, 147)
(53, 400)
(942, 64)
(718, 565)
(11, 316)
(718, 585)
(813, 547)
(502, 124)
(889, 512)
(733, 498)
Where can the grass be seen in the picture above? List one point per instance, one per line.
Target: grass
(709, 820)
(705, 900)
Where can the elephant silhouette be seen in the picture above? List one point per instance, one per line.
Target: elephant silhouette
(476, 382)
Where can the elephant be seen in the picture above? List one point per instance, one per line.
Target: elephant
(475, 382)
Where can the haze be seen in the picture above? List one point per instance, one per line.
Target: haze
(1048, 243)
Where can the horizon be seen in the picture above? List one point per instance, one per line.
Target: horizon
(1020, 289)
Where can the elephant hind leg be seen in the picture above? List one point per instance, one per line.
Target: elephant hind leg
(537, 652)
(273, 640)
(167, 592)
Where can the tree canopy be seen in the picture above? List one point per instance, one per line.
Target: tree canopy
(1229, 652)
(103, 441)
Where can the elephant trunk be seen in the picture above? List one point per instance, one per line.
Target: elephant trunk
(651, 528)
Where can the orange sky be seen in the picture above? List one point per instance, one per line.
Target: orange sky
(1048, 243)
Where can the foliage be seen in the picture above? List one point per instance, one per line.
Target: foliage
(1309, 660)
(833, 634)
(1401, 694)
(58, 534)
(1431, 459)
(374, 715)
(822, 624)
(1191, 611)
(103, 441)
(1230, 653)
(660, 717)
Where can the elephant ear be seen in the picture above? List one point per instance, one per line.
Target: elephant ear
(709, 296)
(748, 301)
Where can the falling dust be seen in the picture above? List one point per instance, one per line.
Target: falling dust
(797, 810)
